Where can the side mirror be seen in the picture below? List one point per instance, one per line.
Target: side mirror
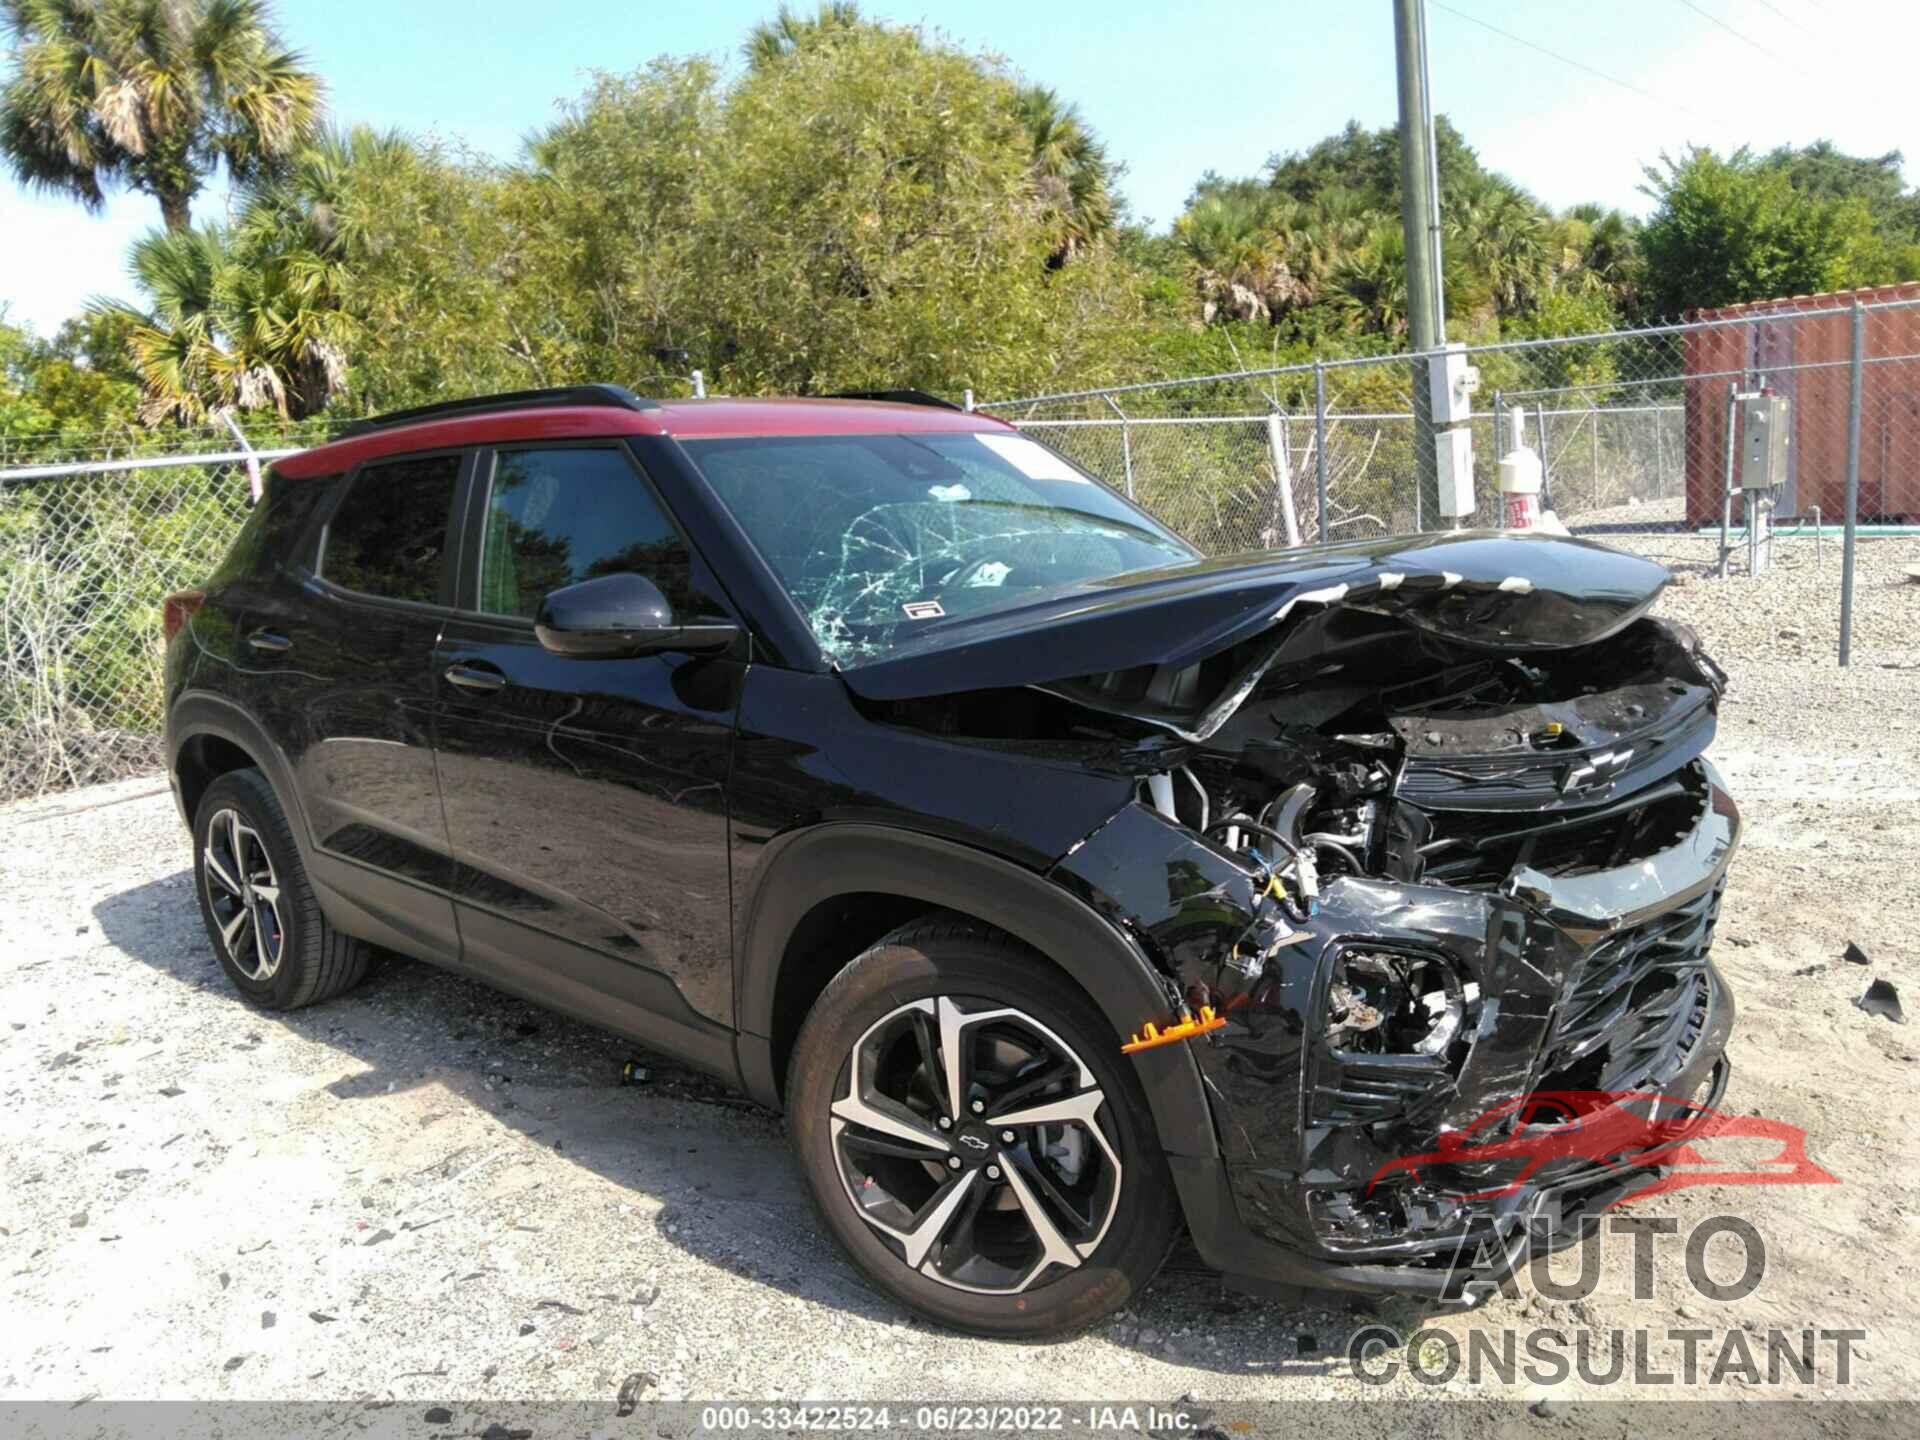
(621, 615)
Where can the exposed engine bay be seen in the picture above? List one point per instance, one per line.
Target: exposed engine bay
(1429, 841)
(1559, 762)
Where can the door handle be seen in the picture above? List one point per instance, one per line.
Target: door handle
(269, 641)
(469, 677)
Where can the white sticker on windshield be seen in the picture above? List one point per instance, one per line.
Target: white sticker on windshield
(923, 609)
(950, 493)
(1036, 462)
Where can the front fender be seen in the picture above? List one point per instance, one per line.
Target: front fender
(805, 868)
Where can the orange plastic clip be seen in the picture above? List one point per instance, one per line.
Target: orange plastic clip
(1181, 1030)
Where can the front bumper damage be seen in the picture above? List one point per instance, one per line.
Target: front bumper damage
(1593, 982)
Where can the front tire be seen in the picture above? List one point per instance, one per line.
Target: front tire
(260, 911)
(973, 1138)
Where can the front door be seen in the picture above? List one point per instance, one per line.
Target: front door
(586, 798)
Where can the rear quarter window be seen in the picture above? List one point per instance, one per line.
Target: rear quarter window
(388, 538)
(279, 531)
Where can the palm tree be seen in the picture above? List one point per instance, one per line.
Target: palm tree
(1601, 252)
(1369, 283)
(155, 95)
(306, 210)
(1229, 235)
(773, 40)
(1503, 232)
(255, 316)
(173, 348)
(1072, 176)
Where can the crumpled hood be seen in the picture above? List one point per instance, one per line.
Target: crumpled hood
(1509, 593)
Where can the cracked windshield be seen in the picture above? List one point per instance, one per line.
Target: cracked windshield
(881, 538)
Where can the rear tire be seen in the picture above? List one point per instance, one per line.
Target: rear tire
(259, 908)
(1037, 1203)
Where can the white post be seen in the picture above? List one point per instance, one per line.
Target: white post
(1283, 475)
(1126, 443)
(253, 461)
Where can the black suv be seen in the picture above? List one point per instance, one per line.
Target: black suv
(1061, 885)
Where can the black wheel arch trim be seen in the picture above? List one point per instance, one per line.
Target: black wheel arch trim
(200, 712)
(804, 868)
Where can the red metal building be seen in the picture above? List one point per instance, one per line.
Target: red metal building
(1800, 348)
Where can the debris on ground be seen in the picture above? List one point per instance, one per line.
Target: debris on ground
(1882, 999)
(631, 1389)
(1855, 954)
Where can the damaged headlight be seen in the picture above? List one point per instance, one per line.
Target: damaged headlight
(1389, 1002)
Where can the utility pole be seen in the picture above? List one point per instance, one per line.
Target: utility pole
(1419, 178)
(1420, 224)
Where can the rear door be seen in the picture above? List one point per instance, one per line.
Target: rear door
(586, 798)
(341, 656)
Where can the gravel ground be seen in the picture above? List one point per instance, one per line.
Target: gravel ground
(426, 1190)
(1792, 610)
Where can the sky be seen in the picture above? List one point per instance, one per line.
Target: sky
(1175, 89)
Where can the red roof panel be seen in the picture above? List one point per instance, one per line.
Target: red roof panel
(684, 419)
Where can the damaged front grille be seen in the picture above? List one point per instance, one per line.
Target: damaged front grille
(1634, 1004)
(1480, 851)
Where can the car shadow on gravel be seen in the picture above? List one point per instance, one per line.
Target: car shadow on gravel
(717, 1164)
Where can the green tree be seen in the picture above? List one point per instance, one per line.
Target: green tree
(863, 218)
(234, 323)
(1821, 171)
(773, 40)
(1732, 229)
(1072, 176)
(1596, 251)
(268, 313)
(1369, 283)
(1309, 247)
(1229, 236)
(53, 393)
(1367, 164)
(155, 95)
(1502, 234)
(609, 272)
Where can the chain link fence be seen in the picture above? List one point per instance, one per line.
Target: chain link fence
(1639, 434)
(1629, 426)
(86, 557)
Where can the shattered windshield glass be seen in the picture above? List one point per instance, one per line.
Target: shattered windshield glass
(879, 537)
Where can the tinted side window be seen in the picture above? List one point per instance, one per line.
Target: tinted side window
(389, 536)
(274, 527)
(556, 517)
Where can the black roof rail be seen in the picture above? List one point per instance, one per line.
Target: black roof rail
(614, 397)
(898, 397)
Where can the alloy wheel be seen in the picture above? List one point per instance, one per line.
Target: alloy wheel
(243, 895)
(970, 1136)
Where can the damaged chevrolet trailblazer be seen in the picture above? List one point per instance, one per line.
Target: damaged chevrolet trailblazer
(1063, 886)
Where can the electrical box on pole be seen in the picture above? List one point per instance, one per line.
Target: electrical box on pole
(1453, 456)
(1451, 382)
(1765, 433)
